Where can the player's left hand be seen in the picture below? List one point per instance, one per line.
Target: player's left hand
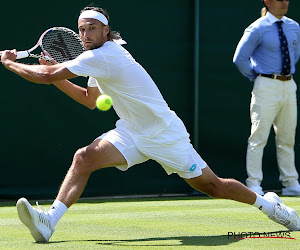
(44, 62)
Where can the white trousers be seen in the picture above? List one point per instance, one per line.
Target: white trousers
(273, 102)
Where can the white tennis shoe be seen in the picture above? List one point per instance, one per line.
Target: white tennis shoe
(37, 221)
(283, 214)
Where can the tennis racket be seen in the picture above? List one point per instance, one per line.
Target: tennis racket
(60, 43)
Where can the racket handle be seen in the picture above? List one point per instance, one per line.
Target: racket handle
(22, 54)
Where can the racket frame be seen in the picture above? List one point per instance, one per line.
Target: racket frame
(27, 53)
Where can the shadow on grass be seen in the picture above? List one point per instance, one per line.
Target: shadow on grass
(216, 240)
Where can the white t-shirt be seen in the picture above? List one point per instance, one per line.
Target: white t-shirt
(136, 98)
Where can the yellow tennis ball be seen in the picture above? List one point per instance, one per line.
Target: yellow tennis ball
(104, 102)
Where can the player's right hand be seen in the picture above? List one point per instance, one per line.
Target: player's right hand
(10, 55)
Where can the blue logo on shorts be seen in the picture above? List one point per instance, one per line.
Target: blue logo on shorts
(192, 169)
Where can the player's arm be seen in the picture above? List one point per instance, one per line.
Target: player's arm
(47, 74)
(86, 97)
(44, 74)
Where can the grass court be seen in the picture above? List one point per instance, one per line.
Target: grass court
(153, 223)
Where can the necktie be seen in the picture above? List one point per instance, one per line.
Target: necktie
(286, 62)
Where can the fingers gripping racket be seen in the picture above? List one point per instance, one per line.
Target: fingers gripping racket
(59, 43)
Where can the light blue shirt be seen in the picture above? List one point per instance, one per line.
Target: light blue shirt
(258, 51)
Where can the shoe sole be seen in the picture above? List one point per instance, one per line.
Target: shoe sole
(25, 217)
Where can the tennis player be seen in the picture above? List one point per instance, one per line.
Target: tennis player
(147, 128)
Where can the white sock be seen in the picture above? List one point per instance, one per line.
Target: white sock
(264, 205)
(56, 211)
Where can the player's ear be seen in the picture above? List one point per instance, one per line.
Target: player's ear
(106, 29)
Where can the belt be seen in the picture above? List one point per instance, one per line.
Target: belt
(278, 77)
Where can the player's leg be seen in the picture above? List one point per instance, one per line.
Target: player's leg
(232, 189)
(99, 154)
(114, 148)
(216, 187)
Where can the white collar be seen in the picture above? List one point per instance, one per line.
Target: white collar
(272, 19)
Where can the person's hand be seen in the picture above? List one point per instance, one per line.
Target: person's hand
(44, 62)
(10, 55)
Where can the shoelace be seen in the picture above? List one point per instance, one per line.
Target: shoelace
(281, 215)
(43, 218)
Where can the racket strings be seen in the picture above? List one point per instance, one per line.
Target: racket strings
(62, 44)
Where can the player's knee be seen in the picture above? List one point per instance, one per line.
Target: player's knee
(82, 160)
(215, 191)
(79, 155)
(87, 160)
(223, 188)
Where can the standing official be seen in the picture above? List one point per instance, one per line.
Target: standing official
(267, 54)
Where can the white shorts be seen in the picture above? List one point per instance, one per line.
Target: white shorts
(171, 149)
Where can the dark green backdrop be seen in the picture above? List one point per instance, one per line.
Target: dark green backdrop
(42, 128)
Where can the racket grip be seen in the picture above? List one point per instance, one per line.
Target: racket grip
(22, 54)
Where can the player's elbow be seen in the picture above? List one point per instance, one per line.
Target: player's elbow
(45, 76)
(91, 106)
(40, 79)
(47, 79)
(90, 100)
(50, 74)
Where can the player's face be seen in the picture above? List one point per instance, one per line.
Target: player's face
(92, 33)
(277, 8)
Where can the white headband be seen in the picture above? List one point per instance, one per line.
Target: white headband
(95, 15)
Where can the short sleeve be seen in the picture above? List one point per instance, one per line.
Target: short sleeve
(90, 63)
